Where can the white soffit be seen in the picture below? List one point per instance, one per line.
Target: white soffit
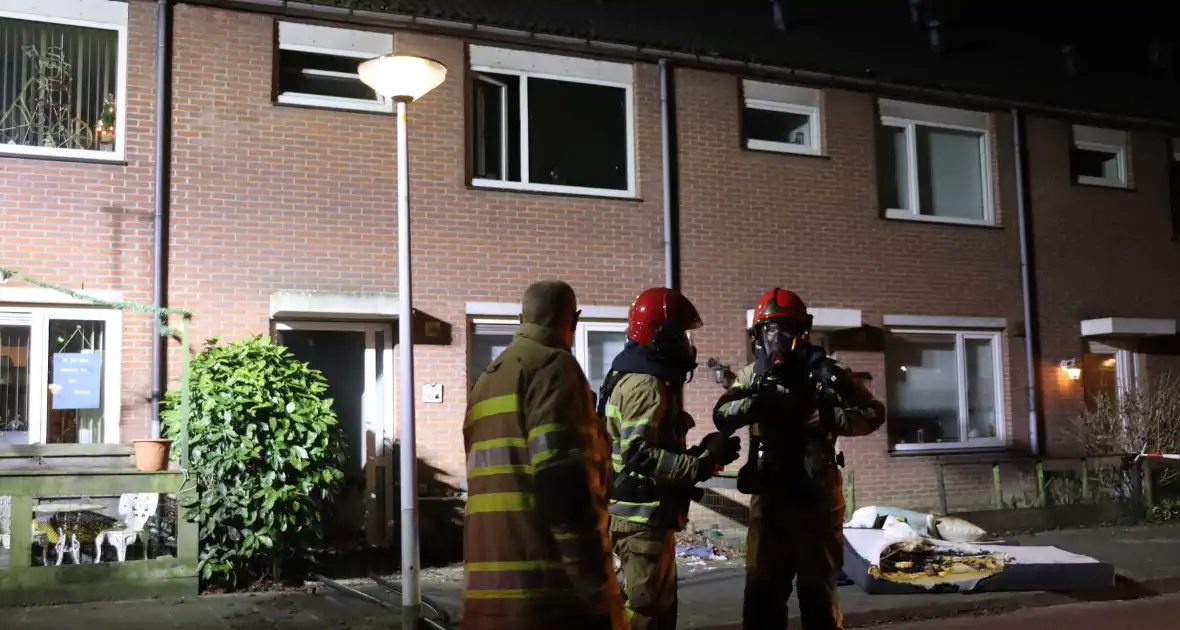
(512, 309)
(38, 295)
(926, 321)
(319, 303)
(1130, 326)
(826, 318)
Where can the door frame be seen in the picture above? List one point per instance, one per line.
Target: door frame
(40, 371)
(377, 402)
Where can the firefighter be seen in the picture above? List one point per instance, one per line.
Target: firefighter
(535, 545)
(642, 400)
(797, 401)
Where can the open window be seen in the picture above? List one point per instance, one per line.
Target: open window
(550, 123)
(1099, 157)
(781, 118)
(317, 67)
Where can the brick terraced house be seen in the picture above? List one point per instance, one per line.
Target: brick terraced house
(953, 213)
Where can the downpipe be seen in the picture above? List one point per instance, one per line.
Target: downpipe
(667, 150)
(1031, 345)
(162, 185)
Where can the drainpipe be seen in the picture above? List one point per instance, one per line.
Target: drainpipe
(162, 189)
(1024, 215)
(667, 143)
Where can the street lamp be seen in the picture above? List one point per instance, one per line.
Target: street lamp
(404, 79)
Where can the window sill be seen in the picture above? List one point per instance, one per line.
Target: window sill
(550, 189)
(949, 449)
(113, 158)
(893, 214)
(782, 148)
(306, 101)
(1094, 182)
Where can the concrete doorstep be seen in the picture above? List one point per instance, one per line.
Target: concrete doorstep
(1147, 558)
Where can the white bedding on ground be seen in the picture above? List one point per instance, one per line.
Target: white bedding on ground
(869, 543)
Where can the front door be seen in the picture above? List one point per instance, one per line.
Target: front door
(354, 359)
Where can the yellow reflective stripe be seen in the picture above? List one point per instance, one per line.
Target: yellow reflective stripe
(508, 403)
(501, 502)
(499, 443)
(565, 536)
(516, 593)
(513, 565)
(487, 471)
(553, 453)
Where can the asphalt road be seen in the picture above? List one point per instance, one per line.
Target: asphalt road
(1148, 613)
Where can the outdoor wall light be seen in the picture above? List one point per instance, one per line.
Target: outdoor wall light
(1071, 369)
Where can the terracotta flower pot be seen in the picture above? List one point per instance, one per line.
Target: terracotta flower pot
(152, 455)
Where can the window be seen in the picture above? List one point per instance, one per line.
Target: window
(63, 78)
(551, 124)
(59, 375)
(934, 164)
(1099, 157)
(595, 346)
(781, 118)
(1174, 183)
(944, 390)
(1109, 371)
(317, 67)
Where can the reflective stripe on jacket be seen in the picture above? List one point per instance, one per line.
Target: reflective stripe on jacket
(648, 425)
(528, 411)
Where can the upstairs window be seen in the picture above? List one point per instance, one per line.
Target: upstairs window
(317, 67)
(549, 123)
(63, 78)
(934, 164)
(1099, 157)
(781, 118)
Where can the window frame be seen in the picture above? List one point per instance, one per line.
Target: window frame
(581, 336)
(784, 104)
(1118, 149)
(379, 105)
(475, 72)
(106, 15)
(40, 371)
(964, 443)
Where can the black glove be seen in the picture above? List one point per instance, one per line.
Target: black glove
(749, 479)
(722, 450)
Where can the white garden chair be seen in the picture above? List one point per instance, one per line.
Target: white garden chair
(135, 509)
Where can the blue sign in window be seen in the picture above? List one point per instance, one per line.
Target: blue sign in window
(77, 380)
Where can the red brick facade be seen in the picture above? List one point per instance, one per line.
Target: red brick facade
(268, 198)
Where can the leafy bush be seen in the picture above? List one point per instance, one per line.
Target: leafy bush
(266, 453)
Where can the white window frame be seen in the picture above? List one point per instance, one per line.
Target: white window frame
(786, 99)
(1102, 141)
(581, 335)
(40, 371)
(528, 65)
(961, 336)
(106, 15)
(908, 117)
(1129, 367)
(337, 42)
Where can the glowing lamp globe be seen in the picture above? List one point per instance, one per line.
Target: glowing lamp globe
(402, 78)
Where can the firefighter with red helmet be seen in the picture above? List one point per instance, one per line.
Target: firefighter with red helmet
(797, 402)
(642, 401)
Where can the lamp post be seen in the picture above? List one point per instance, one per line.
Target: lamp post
(404, 79)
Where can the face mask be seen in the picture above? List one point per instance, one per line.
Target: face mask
(784, 345)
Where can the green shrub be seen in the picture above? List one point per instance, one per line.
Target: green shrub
(265, 452)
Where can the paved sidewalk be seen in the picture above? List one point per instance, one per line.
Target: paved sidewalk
(1148, 560)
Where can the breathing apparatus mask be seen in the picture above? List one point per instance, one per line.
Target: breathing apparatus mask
(675, 347)
(783, 343)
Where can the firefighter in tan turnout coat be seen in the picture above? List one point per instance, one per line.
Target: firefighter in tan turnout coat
(642, 400)
(535, 532)
(798, 402)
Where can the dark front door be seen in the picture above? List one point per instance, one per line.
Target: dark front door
(340, 356)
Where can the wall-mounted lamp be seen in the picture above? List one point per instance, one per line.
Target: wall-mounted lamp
(1071, 369)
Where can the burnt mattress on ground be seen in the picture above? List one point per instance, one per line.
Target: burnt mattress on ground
(897, 560)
